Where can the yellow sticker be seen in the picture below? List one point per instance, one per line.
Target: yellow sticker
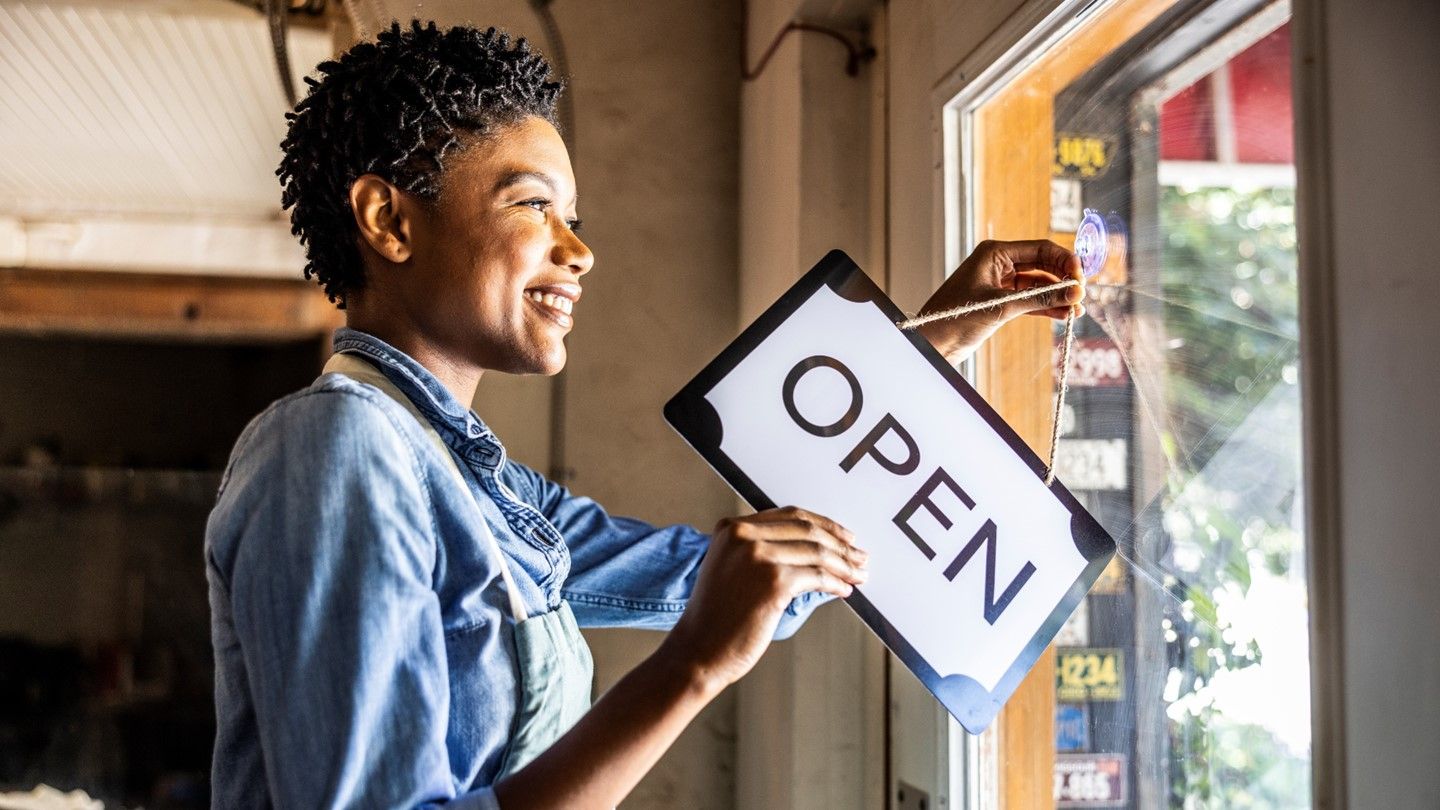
(1082, 156)
(1084, 673)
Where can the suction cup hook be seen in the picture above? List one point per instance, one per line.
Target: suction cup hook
(1092, 243)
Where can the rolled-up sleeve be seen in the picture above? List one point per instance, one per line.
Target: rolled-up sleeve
(329, 579)
(626, 572)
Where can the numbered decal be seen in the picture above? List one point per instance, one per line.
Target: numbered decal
(1094, 363)
(1089, 674)
(1091, 780)
(1094, 464)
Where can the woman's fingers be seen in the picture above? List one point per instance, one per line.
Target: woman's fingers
(802, 554)
(793, 513)
(819, 579)
(1059, 313)
(805, 551)
(1049, 303)
(1025, 279)
(1035, 254)
(793, 523)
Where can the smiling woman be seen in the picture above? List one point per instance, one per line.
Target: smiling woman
(395, 604)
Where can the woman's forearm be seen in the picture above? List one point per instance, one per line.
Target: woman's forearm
(599, 761)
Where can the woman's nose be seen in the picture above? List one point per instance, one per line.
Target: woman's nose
(572, 252)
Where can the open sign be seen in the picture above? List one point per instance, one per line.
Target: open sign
(974, 562)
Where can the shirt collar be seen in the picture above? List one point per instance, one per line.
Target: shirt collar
(423, 388)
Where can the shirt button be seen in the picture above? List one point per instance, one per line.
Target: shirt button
(474, 430)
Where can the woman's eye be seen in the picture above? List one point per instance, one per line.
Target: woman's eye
(543, 205)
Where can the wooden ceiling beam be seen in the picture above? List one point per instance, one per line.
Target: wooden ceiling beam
(162, 307)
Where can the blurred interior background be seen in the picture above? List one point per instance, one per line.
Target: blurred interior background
(1252, 417)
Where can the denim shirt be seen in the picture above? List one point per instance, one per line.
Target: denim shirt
(364, 648)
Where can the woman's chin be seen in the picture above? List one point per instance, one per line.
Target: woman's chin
(546, 363)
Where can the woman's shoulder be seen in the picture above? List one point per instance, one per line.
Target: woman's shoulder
(334, 420)
(333, 404)
(336, 447)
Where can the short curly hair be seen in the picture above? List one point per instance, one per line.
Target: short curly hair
(398, 107)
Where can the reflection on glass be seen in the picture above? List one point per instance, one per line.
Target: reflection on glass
(1184, 681)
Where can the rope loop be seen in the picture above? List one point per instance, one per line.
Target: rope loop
(965, 309)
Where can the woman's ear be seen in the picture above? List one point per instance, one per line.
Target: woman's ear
(383, 214)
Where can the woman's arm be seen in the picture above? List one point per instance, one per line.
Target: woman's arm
(626, 572)
(755, 567)
(331, 657)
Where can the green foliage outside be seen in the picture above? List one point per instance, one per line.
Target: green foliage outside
(1230, 433)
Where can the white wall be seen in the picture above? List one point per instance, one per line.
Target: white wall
(811, 719)
(657, 106)
(1372, 82)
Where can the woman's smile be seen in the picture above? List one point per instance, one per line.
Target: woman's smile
(555, 301)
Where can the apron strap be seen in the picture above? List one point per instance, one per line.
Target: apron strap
(362, 370)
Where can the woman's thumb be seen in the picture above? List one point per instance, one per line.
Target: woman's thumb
(1059, 296)
(1069, 294)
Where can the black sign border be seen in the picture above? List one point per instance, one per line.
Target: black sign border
(696, 421)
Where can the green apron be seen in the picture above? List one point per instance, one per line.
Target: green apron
(553, 662)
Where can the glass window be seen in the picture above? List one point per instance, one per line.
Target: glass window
(1183, 682)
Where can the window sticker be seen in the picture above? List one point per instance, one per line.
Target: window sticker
(974, 562)
(1091, 780)
(1094, 464)
(1083, 156)
(1072, 727)
(1065, 206)
(1089, 674)
(1095, 362)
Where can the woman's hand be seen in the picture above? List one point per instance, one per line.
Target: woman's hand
(994, 270)
(755, 566)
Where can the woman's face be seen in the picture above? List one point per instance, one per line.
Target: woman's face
(496, 261)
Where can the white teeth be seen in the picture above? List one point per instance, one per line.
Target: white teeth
(557, 302)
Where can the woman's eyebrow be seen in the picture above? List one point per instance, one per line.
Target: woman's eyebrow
(518, 177)
(529, 175)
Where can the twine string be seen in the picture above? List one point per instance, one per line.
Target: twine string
(979, 306)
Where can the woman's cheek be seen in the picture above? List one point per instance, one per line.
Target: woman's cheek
(534, 246)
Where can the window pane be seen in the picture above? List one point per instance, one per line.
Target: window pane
(1184, 680)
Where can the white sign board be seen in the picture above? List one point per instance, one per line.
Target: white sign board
(974, 562)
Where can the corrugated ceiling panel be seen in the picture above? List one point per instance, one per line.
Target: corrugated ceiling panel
(142, 107)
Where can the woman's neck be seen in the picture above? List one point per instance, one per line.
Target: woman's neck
(459, 378)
